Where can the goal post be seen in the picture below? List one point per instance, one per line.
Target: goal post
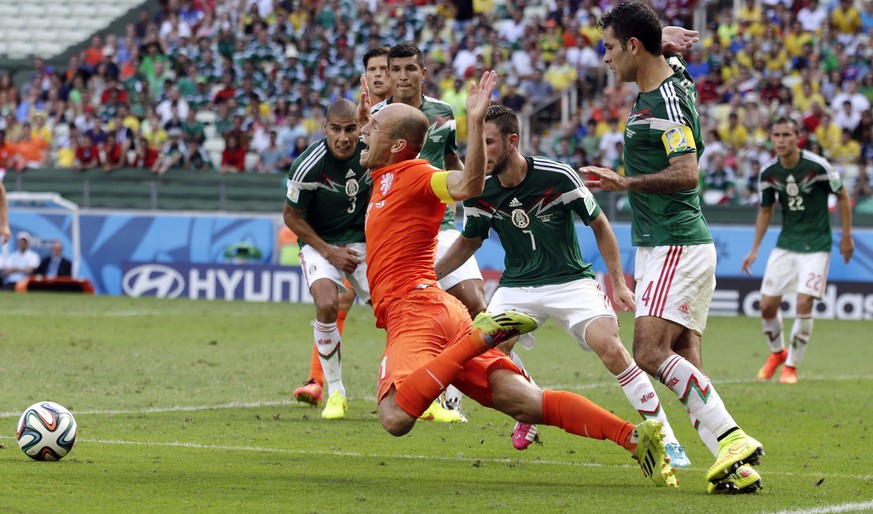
(50, 203)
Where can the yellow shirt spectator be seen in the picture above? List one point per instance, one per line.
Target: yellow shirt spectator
(845, 18)
(561, 74)
(734, 133)
(828, 134)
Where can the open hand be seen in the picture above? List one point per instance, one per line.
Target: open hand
(479, 97)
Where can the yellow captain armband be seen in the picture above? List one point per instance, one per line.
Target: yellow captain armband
(678, 139)
(439, 182)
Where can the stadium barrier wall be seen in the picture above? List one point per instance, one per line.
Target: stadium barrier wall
(185, 254)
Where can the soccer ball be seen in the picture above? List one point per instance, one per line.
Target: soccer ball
(46, 431)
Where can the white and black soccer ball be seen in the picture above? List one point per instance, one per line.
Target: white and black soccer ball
(46, 431)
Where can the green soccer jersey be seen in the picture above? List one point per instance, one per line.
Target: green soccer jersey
(442, 138)
(535, 223)
(663, 124)
(802, 191)
(333, 193)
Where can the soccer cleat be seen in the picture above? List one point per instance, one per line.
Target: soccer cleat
(436, 412)
(497, 328)
(773, 361)
(310, 393)
(336, 406)
(676, 453)
(453, 404)
(651, 455)
(788, 375)
(734, 451)
(523, 435)
(742, 481)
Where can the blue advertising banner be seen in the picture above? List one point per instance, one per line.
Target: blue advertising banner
(110, 239)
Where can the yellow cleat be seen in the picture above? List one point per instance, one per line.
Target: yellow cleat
(744, 480)
(336, 407)
(734, 451)
(436, 412)
(652, 456)
(497, 328)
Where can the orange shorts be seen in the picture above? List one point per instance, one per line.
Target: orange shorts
(422, 324)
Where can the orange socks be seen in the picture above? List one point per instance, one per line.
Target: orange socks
(341, 320)
(580, 416)
(422, 386)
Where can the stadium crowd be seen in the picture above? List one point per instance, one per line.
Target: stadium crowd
(242, 85)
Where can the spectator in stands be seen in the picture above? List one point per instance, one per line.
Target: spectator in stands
(850, 94)
(233, 158)
(828, 134)
(273, 159)
(30, 149)
(145, 155)
(8, 160)
(172, 154)
(196, 157)
(813, 16)
(94, 53)
(87, 155)
(845, 155)
(20, 263)
(115, 156)
(55, 264)
(719, 182)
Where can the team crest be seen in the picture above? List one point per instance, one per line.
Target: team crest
(520, 218)
(352, 187)
(385, 184)
(791, 188)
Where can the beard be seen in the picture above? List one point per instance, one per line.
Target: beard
(501, 164)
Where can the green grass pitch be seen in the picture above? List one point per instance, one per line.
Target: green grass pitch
(184, 406)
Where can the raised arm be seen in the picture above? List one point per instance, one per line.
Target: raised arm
(765, 215)
(470, 181)
(462, 249)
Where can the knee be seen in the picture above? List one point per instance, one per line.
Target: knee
(394, 420)
(396, 427)
(326, 311)
(648, 358)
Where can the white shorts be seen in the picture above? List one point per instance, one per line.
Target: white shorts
(676, 283)
(794, 272)
(572, 305)
(467, 271)
(316, 267)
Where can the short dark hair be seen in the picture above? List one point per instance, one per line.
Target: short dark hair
(787, 120)
(504, 118)
(634, 19)
(406, 49)
(378, 51)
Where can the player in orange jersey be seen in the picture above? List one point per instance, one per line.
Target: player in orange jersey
(431, 341)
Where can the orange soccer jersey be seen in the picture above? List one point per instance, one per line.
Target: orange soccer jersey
(403, 220)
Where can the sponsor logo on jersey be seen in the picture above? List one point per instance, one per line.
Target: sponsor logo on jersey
(520, 218)
(628, 133)
(683, 308)
(350, 173)
(436, 139)
(292, 193)
(515, 203)
(385, 184)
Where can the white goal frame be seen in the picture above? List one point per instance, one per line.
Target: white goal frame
(35, 202)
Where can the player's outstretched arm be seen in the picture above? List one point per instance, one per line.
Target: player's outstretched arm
(471, 181)
(847, 244)
(343, 258)
(622, 296)
(765, 215)
(462, 249)
(680, 175)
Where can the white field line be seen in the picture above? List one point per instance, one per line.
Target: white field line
(459, 457)
(371, 398)
(845, 507)
(116, 314)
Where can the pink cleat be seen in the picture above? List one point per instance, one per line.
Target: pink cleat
(310, 393)
(523, 435)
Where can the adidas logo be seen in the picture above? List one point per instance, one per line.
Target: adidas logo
(350, 174)
(683, 308)
(515, 203)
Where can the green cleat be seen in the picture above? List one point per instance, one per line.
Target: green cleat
(336, 406)
(734, 451)
(651, 454)
(742, 481)
(497, 328)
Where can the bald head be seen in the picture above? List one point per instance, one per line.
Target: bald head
(342, 109)
(406, 122)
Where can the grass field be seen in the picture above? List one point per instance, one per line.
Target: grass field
(183, 406)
